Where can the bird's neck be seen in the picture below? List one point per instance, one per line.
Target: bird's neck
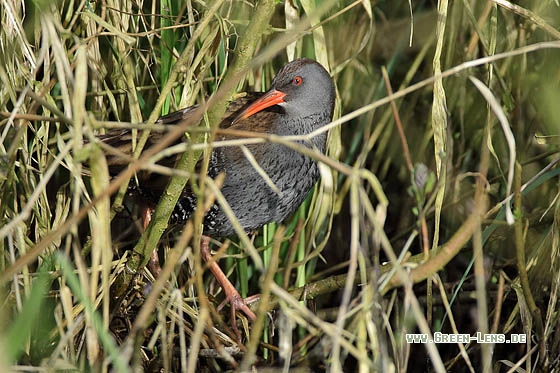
(304, 125)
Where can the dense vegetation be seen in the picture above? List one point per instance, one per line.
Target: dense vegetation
(437, 209)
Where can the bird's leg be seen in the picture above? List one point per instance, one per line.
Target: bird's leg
(232, 295)
(153, 262)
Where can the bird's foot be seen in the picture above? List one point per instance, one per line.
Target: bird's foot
(237, 303)
(232, 296)
(242, 304)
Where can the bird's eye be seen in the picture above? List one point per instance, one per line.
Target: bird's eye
(297, 80)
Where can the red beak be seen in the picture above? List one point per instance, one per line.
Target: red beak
(271, 98)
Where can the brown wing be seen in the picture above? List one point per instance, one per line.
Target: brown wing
(149, 186)
(238, 104)
(121, 140)
(177, 116)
